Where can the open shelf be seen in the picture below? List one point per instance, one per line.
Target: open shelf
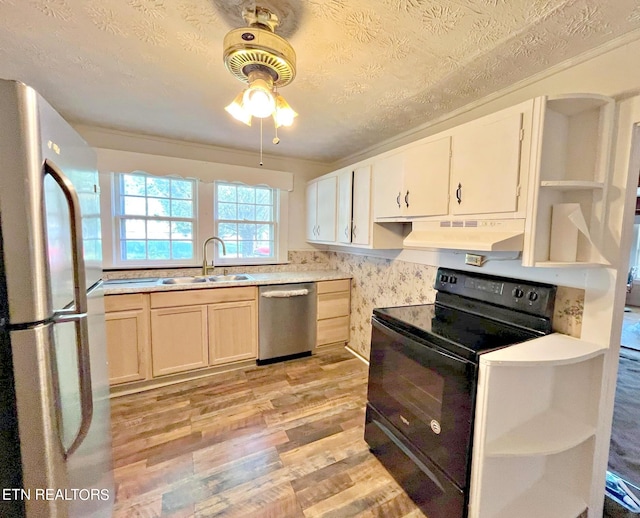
(547, 433)
(544, 499)
(552, 350)
(571, 185)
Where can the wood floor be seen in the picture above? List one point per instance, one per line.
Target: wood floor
(278, 441)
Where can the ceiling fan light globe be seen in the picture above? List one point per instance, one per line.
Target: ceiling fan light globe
(258, 99)
(237, 111)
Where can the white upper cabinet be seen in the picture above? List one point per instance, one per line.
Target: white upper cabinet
(485, 167)
(321, 209)
(345, 201)
(388, 186)
(413, 182)
(426, 178)
(361, 212)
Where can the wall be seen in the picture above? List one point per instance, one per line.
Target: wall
(303, 170)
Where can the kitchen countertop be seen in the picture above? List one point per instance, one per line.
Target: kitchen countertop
(256, 279)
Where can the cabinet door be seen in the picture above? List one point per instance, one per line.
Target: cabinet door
(387, 186)
(233, 332)
(345, 195)
(486, 164)
(127, 345)
(361, 205)
(179, 339)
(326, 209)
(426, 179)
(312, 204)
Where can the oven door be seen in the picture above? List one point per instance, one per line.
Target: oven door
(425, 393)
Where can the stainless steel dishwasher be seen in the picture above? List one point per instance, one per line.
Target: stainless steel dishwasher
(287, 321)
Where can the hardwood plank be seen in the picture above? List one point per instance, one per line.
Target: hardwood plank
(276, 441)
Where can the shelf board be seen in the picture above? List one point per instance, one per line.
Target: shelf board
(572, 264)
(549, 350)
(571, 185)
(546, 434)
(544, 499)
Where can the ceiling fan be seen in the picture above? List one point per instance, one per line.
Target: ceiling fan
(265, 62)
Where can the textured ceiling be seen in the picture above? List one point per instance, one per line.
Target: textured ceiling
(367, 69)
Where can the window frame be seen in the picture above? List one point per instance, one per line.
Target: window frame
(204, 225)
(118, 217)
(219, 258)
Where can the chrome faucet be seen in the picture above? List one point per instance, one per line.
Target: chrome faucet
(205, 266)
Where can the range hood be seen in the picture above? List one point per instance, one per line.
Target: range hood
(504, 235)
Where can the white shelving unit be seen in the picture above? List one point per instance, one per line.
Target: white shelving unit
(536, 417)
(569, 164)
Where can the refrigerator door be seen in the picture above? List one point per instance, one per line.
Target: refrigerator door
(63, 147)
(89, 466)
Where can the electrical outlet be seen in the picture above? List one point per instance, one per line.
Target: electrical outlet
(474, 259)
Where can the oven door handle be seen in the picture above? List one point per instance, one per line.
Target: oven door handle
(400, 337)
(409, 454)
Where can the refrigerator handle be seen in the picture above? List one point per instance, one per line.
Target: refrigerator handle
(78, 313)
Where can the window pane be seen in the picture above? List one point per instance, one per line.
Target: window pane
(182, 189)
(159, 187)
(134, 206)
(227, 211)
(158, 250)
(232, 250)
(227, 193)
(182, 250)
(91, 228)
(181, 230)
(263, 213)
(181, 209)
(89, 203)
(246, 195)
(134, 229)
(134, 250)
(157, 207)
(247, 212)
(246, 232)
(133, 184)
(263, 196)
(227, 230)
(263, 248)
(264, 232)
(158, 229)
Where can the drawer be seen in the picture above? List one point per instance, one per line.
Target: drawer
(332, 330)
(333, 286)
(126, 302)
(333, 305)
(167, 299)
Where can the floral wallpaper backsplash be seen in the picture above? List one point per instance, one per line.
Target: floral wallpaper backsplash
(384, 282)
(376, 282)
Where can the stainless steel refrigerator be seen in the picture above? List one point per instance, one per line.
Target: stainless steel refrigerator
(55, 445)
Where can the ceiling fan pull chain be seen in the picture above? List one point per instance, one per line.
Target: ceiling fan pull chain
(261, 142)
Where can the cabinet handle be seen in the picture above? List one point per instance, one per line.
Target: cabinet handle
(398, 200)
(406, 199)
(459, 193)
(353, 231)
(346, 231)
(318, 230)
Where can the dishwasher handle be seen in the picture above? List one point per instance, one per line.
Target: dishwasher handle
(282, 294)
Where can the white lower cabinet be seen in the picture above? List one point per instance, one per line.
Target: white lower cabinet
(536, 417)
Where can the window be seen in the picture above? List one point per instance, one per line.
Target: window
(155, 218)
(245, 219)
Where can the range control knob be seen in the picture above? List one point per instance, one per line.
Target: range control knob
(453, 279)
(532, 296)
(517, 293)
(444, 278)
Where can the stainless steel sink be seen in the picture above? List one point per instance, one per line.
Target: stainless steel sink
(226, 278)
(202, 279)
(183, 280)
